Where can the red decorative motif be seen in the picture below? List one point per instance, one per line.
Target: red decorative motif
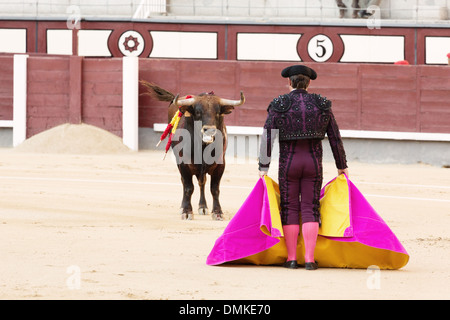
(127, 40)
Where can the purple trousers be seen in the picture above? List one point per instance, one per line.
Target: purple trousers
(300, 179)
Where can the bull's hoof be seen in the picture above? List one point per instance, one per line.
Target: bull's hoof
(203, 211)
(217, 216)
(187, 216)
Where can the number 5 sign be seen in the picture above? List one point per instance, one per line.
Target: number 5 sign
(318, 47)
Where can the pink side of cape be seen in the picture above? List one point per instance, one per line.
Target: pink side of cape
(368, 227)
(243, 236)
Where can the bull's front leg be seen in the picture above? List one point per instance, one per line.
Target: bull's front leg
(188, 189)
(202, 206)
(216, 176)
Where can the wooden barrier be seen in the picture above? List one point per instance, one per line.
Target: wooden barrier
(6, 90)
(72, 89)
(365, 97)
(102, 94)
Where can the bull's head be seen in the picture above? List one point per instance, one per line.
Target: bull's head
(209, 109)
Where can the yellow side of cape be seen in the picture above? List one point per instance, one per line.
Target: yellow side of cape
(273, 193)
(335, 208)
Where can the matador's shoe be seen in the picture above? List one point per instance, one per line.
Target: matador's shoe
(292, 264)
(311, 265)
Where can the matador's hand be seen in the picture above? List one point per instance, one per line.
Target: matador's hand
(341, 171)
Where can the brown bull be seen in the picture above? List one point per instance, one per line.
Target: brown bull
(199, 144)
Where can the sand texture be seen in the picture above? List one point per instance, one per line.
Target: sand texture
(79, 224)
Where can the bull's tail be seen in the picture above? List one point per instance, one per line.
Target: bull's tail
(157, 92)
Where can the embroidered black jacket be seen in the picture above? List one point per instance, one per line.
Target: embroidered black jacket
(300, 115)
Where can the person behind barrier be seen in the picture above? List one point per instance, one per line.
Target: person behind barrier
(301, 120)
(343, 8)
(365, 13)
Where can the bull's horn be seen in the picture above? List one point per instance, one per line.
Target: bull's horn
(183, 102)
(226, 102)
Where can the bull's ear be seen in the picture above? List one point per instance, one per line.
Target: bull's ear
(226, 109)
(187, 108)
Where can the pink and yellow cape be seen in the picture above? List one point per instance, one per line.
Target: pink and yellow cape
(352, 234)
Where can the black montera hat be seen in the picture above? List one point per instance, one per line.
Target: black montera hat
(299, 69)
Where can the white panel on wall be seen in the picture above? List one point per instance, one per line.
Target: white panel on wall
(436, 50)
(13, 40)
(59, 41)
(130, 98)
(20, 99)
(195, 45)
(93, 43)
(267, 46)
(383, 49)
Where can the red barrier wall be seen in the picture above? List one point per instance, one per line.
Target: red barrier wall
(6, 87)
(48, 93)
(365, 96)
(74, 89)
(102, 94)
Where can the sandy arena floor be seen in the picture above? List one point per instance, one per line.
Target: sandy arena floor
(108, 227)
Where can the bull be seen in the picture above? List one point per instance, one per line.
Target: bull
(201, 149)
